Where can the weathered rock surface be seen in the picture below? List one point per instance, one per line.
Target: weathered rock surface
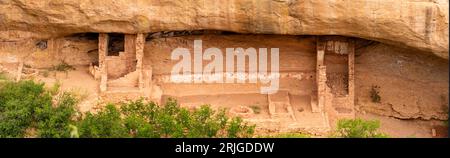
(412, 84)
(420, 24)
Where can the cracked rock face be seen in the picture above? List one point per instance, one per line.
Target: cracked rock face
(412, 85)
(419, 24)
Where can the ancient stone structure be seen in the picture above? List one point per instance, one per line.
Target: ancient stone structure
(102, 53)
(401, 46)
(334, 89)
(122, 76)
(340, 83)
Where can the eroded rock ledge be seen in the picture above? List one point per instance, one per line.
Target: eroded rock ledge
(419, 24)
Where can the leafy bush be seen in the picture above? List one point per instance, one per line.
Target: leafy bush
(138, 127)
(27, 105)
(106, 124)
(358, 128)
(18, 104)
(148, 120)
(288, 135)
(237, 129)
(55, 122)
(55, 88)
(202, 122)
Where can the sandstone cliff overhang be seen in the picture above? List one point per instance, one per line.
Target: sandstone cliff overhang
(418, 24)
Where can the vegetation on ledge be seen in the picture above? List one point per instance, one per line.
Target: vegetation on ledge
(358, 128)
(27, 109)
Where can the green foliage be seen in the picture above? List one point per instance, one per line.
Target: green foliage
(139, 127)
(375, 94)
(74, 131)
(139, 108)
(288, 135)
(358, 128)
(55, 122)
(106, 124)
(204, 122)
(55, 88)
(293, 135)
(237, 129)
(137, 117)
(148, 120)
(28, 106)
(18, 105)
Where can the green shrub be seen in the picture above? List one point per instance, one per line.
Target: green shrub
(106, 124)
(202, 122)
(74, 131)
(18, 104)
(148, 120)
(171, 120)
(358, 128)
(55, 122)
(27, 105)
(205, 122)
(55, 88)
(138, 127)
(237, 128)
(288, 135)
(139, 108)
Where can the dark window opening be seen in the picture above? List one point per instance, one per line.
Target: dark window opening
(116, 44)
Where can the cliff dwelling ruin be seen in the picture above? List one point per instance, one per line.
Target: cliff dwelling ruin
(322, 78)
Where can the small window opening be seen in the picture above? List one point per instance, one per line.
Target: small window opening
(116, 44)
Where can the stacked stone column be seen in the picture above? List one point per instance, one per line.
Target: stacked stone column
(102, 53)
(351, 72)
(321, 77)
(140, 42)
